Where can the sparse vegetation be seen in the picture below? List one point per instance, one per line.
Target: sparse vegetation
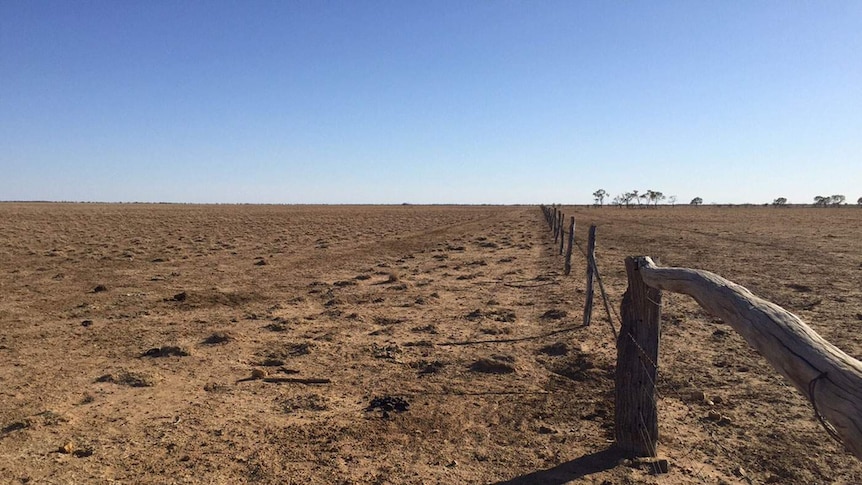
(317, 340)
(696, 201)
(832, 200)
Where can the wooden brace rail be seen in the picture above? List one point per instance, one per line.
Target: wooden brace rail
(827, 376)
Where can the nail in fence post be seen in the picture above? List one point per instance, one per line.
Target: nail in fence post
(635, 414)
(591, 261)
(568, 267)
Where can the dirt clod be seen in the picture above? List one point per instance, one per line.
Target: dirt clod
(166, 351)
(554, 314)
(388, 404)
(494, 365)
(218, 338)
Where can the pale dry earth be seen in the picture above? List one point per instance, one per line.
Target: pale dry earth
(462, 313)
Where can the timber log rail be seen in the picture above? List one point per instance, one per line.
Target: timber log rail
(828, 377)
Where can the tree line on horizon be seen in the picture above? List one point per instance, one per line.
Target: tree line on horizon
(651, 198)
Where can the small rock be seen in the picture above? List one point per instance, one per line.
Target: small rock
(546, 430)
(739, 471)
(259, 373)
(714, 416)
(100, 288)
(86, 323)
(260, 262)
(66, 449)
(181, 296)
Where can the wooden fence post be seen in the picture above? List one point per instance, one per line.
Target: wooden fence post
(635, 414)
(568, 267)
(562, 232)
(557, 219)
(591, 261)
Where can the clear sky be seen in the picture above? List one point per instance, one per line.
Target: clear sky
(308, 101)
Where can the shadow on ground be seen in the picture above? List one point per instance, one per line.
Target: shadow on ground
(571, 470)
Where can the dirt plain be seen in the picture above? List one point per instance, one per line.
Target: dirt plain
(396, 344)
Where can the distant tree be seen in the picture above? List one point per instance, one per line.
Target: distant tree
(780, 202)
(600, 196)
(618, 201)
(658, 198)
(628, 196)
(635, 196)
(696, 201)
(645, 197)
(821, 201)
(650, 195)
(672, 200)
(837, 200)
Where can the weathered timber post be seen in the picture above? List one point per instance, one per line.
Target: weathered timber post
(562, 232)
(591, 262)
(557, 219)
(568, 267)
(635, 414)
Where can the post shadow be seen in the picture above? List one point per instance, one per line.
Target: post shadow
(571, 470)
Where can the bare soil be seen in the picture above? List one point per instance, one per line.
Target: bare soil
(406, 344)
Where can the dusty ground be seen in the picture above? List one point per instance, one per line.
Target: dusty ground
(461, 315)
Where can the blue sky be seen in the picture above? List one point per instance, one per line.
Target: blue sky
(429, 102)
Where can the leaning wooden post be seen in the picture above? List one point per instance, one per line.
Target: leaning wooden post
(591, 261)
(635, 414)
(568, 267)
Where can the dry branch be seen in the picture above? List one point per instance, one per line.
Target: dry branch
(831, 379)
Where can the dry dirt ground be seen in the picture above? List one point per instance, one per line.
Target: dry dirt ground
(329, 345)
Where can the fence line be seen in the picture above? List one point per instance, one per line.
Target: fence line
(828, 377)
